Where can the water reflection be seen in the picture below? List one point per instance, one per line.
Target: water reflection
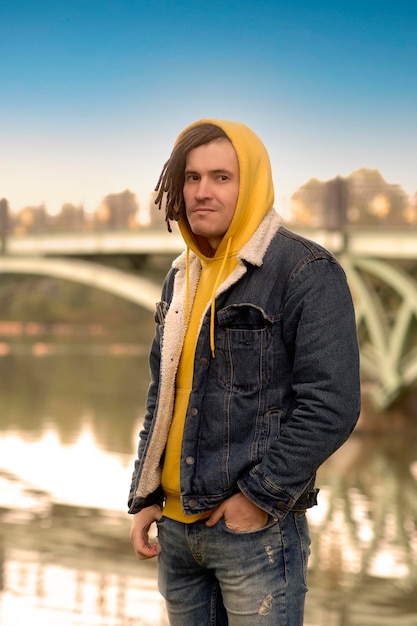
(68, 429)
(364, 551)
(69, 424)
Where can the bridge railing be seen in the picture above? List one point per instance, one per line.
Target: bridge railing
(382, 244)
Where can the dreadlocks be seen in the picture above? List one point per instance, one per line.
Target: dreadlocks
(171, 179)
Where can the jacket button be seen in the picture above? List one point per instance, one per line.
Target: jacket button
(281, 506)
(189, 460)
(194, 411)
(192, 503)
(203, 360)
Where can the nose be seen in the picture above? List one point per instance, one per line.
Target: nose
(203, 189)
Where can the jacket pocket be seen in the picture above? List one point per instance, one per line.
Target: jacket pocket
(268, 429)
(242, 343)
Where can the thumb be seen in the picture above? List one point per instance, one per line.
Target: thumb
(215, 516)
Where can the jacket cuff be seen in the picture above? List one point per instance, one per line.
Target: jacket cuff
(277, 502)
(136, 504)
(278, 505)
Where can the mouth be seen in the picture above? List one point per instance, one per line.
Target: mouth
(201, 209)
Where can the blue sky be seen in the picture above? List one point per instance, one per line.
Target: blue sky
(93, 93)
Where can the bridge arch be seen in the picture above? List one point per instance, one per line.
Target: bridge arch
(136, 289)
(385, 300)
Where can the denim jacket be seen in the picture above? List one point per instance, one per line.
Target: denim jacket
(282, 391)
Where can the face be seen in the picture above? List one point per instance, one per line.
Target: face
(211, 189)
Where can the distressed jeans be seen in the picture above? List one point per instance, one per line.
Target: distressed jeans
(218, 577)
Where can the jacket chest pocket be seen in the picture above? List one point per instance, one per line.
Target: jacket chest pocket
(242, 342)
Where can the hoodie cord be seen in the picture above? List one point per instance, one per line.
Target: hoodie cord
(213, 295)
(187, 283)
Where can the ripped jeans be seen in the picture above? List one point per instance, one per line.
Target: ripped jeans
(219, 577)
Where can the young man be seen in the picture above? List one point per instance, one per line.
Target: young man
(254, 383)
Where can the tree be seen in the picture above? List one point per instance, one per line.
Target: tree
(374, 201)
(118, 211)
(364, 198)
(307, 204)
(71, 218)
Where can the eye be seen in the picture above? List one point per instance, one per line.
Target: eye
(191, 178)
(223, 178)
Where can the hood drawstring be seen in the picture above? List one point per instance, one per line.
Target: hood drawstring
(213, 296)
(187, 284)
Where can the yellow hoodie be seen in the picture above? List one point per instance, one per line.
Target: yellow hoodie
(256, 197)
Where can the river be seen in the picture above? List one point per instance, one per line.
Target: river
(70, 411)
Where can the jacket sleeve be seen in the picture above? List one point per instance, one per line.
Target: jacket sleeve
(319, 332)
(135, 504)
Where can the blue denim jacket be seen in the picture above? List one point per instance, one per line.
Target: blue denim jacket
(282, 392)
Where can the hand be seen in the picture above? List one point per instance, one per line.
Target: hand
(240, 514)
(139, 532)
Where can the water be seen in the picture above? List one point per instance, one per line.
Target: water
(70, 411)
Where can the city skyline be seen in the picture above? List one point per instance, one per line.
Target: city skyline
(94, 94)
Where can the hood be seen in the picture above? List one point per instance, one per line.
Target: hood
(256, 191)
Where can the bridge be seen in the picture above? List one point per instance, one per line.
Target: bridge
(381, 266)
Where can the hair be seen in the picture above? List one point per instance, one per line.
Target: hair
(171, 180)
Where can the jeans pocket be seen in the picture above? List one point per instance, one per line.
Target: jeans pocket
(272, 521)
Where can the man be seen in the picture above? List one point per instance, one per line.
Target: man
(254, 383)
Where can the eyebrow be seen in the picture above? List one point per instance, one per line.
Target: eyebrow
(220, 170)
